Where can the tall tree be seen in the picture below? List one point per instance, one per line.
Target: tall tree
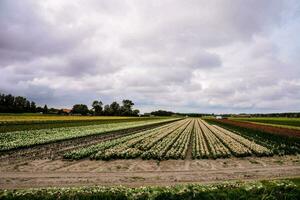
(33, 106)
(80, 109)
(97, 107)
(114, 108)
(106, 110)
(45, 110)
(126, 108)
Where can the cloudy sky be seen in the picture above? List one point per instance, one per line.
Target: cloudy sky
(187, 56)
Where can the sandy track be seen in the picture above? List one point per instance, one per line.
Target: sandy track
(43, 173)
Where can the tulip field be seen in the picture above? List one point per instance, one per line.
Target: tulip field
(173, 141)
(30, 138)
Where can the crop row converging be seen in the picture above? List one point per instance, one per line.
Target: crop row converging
(193, 138)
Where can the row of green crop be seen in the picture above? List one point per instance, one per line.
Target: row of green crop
(278, 144)
(17, 139)
(227, 191)
(216, 142)
(148, 144)
(36, 125)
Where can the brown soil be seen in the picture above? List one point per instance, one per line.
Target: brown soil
(26, 173)
(265, 128)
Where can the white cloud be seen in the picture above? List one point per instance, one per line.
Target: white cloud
(193, 56)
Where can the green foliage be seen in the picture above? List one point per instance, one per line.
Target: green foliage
(240, 191)
(18, 139)
(273, 120)
(80, 109)
(11, 104)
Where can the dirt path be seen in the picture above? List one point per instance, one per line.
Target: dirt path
(43, 173)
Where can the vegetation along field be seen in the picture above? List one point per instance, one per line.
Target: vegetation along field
(27, 138)
(252, 190)
(293, 123)
(185, 138)
(20, 122)
(158, 153)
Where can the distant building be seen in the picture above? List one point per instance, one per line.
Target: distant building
(219, 117)
(65, 110)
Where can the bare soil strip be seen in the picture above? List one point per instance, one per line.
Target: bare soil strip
(61, 173)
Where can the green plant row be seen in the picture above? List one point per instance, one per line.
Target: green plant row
(239, 191)
(17, 139)
(269, 120)
(47, 124)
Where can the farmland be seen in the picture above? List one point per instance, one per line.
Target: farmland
(173, 141)
(137, 152)
(22, 122)
(27, 138)
(293, 123)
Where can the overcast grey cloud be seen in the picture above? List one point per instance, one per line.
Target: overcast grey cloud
(187, 56)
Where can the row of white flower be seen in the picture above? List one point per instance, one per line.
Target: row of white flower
(27, 138)
(217, 148)
(90, 150)
(180, 146)
(255, 148)
(235, 147)
(159, 150)
(200, 148)
(129, 148)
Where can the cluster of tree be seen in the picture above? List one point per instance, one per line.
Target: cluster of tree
(12, 104)
(113, 109)
(162, 113)
(288, 114)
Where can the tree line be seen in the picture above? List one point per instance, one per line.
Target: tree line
(113, 109)
(18, 104)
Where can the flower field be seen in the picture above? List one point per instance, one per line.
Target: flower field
(251, 190)
(173, 141)
(28, 138)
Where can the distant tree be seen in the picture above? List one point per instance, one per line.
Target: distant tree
(135, 112)
(97, 107)
(45, 110)
(28, 106)
(162, 113)
(33, 107)
(114, 108)
(126, 108)
(80, 109)
(11, 104)
(106, 110)
(20, 104)
(39, 109)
